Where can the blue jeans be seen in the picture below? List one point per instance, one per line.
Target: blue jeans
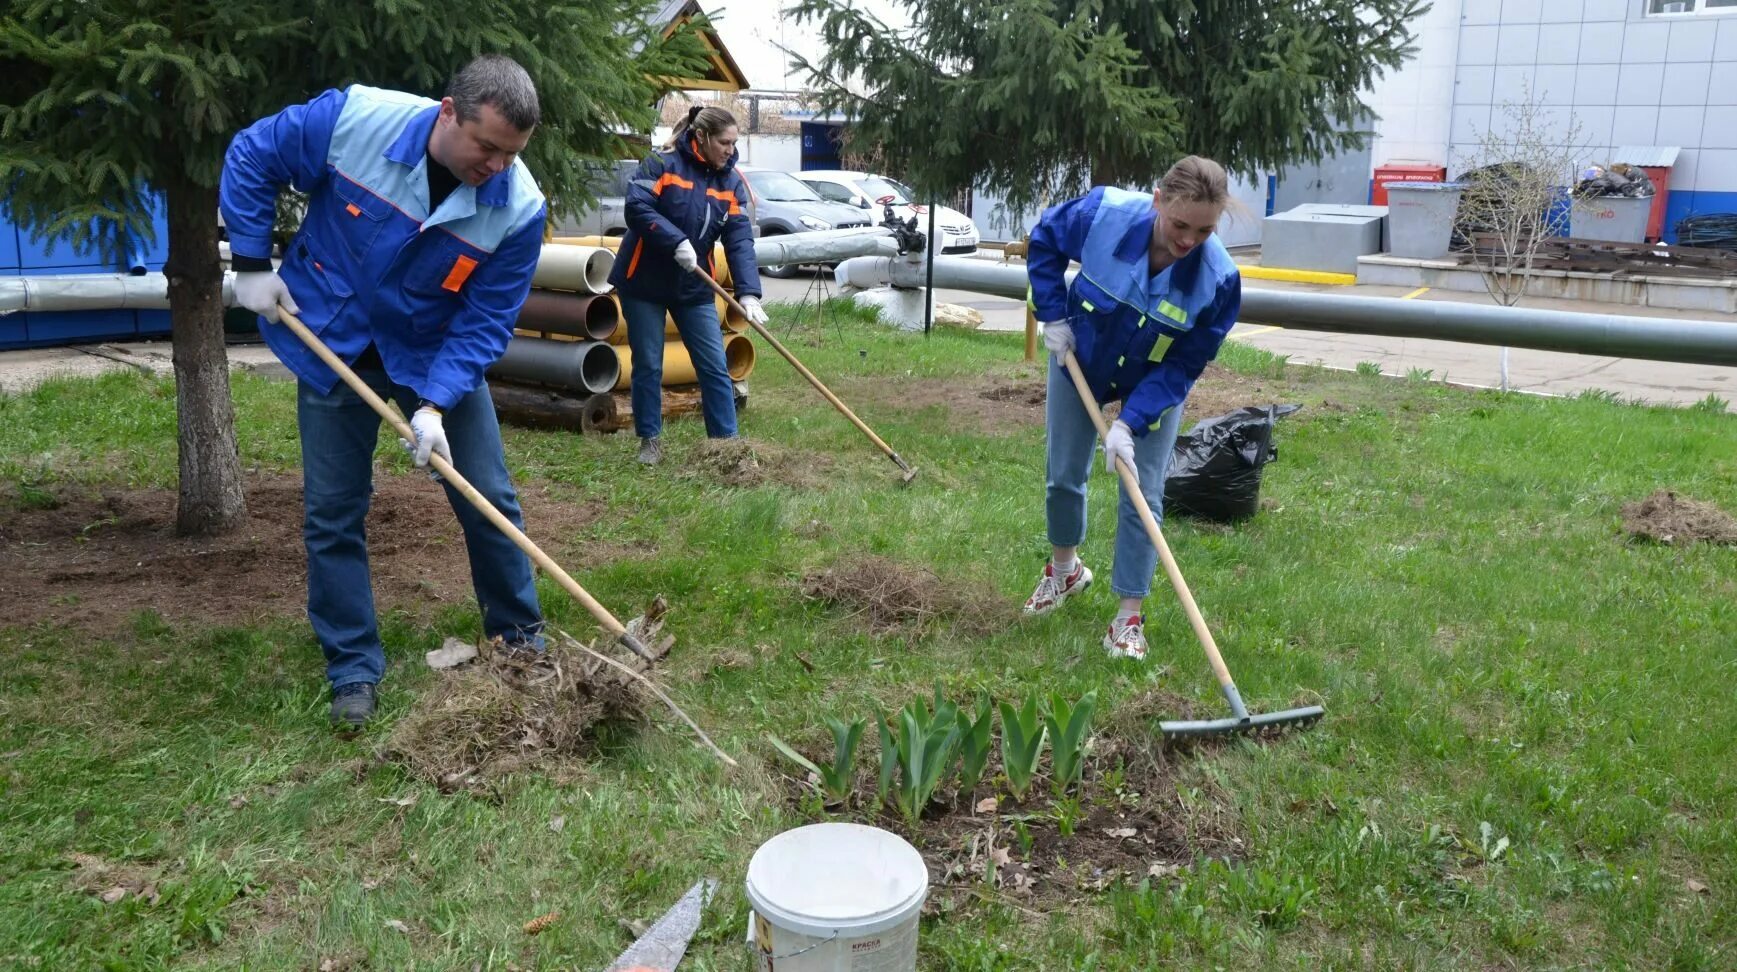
(339, 433)
(1073, 453)
(704, 336)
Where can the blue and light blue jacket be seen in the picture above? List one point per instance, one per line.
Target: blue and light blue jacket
(437, 293)
(675, 196)
(1141, 338)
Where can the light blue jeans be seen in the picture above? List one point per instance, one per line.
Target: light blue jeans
(339, 434)
(1074, 453)
(704, 337)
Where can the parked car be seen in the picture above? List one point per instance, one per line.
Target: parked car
(868, 191)
(608, 215)
(783, 204)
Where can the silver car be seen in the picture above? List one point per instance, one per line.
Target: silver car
(783, 204)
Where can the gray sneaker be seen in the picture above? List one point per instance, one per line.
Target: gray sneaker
(650, 451)
(353, 705)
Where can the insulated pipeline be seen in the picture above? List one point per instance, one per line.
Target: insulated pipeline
(1706, 342)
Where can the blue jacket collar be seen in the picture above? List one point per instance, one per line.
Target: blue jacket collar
(685, 148)
(1137, 241)
(412, 145)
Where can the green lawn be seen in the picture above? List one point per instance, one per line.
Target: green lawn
(1527, 757)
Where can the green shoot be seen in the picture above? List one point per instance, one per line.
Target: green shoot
(837, 776)
(1068, 729)
(1021, 745)
(976, 740)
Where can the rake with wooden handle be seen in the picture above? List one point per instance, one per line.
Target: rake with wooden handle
(625, 637)
(825, 392)
(1240, 721)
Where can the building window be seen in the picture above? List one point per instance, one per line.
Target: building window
(1691, 8)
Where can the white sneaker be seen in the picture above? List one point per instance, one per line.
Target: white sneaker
(1127, 638)
(1051, 591)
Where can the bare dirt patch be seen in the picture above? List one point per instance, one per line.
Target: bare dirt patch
(1007, 403)
(94, 561)
(505, 712)
(1127, 822)
(1672, 519)
(887, 596)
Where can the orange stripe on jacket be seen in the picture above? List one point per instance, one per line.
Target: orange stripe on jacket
(669, 179)
(729, 196)
(633, 264)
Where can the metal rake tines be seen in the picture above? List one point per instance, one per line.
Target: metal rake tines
(1263, 726)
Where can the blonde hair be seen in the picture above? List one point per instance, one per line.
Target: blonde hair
(1197, 180)
(708, 121)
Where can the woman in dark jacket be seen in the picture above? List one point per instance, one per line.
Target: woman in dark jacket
(681, 201)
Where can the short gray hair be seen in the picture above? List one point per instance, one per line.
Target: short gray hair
(498, 81)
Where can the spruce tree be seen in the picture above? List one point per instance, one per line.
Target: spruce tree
(104, 102)
(1039, 99)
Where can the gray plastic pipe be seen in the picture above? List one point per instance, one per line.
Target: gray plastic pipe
(1707, 342)
(582, 366)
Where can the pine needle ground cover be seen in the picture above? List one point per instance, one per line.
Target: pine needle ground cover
(1526, 760)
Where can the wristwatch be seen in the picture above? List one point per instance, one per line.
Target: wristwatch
(425, 403)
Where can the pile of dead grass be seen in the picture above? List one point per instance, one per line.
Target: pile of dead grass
(733, 462)
(888, 596)
(500, 714)
(1672, 519)
(746, 464)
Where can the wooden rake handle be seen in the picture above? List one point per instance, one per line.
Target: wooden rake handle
(1131, 486)
(458, 482)
(802, 370)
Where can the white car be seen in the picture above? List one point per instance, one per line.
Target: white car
(865, 190)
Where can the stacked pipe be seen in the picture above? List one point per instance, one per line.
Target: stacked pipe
(678, 367)
(559, 368)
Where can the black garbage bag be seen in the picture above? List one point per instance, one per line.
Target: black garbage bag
(1215, 469)
(1618, 180)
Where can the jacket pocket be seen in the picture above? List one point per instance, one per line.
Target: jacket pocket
(1090, 299)
(435, 279)
(329, 274)
(356, 217)
(440, 267)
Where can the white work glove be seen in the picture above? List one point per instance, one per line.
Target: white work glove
(751, 307)
(685, 257)
(1119, 444)
(1058, 337)
(262, 291)
(430, 437)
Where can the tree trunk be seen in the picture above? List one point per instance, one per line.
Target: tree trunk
(211, 501)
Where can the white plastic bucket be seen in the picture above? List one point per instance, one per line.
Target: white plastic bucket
(836, 897)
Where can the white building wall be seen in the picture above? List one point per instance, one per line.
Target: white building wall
(1415, 103)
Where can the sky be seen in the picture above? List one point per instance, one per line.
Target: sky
(753, 30)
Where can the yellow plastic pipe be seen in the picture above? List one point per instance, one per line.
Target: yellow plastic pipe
(733, 323)
(678, 365)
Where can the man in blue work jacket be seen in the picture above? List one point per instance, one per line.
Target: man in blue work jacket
(421, 234)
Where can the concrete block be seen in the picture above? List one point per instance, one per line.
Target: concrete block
(1330, 241)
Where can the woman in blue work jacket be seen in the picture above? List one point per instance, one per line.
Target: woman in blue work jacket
(1155, 296)
(681, 201)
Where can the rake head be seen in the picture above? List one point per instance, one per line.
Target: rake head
(1260, 726)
